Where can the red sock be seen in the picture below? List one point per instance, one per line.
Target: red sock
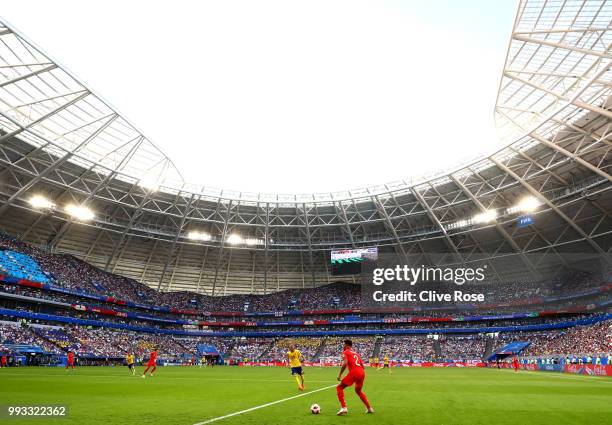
(340, 392)
(363, 398)
(145, 371)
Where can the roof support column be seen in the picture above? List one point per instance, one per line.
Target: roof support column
(222, 245)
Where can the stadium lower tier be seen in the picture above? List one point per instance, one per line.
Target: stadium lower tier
(499, 324)
(47, 343)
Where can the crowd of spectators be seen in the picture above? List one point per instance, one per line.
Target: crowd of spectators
(17, 333)
(417, 323)
(333, 347)
(415, 348)
(250, 349)
(462, 348)
(71, 272)
(307, 346)
(96, 342)
(222, 345)
(594, 340)
(580, 340)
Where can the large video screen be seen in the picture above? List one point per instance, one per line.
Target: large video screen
(349, 261)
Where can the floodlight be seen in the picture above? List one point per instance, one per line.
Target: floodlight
(199, 236)
(485, 217)
(234, 239)
(528, 204)
(41, 203)
(80, 212)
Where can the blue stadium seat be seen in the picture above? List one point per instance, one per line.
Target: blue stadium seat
(21, 266)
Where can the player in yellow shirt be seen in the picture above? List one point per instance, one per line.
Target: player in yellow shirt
(129, 360)
(295, 361)
(386, 364)
(376, 362)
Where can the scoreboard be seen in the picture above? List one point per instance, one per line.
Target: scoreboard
(349, 261)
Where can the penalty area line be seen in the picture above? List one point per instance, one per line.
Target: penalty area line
(261, 406)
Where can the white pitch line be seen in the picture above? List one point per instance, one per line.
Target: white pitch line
(262, 406)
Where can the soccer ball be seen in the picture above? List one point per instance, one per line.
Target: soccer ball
(315, 409)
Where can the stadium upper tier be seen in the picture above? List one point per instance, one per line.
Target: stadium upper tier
(77, 177)
(30, 275)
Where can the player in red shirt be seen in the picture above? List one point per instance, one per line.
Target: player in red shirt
(515, 364)
(3, 364)
(70, 362)
(356, 375)
(152, 363)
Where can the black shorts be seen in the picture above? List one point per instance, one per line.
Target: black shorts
(296, 370)
(386, 365)
(130, 365)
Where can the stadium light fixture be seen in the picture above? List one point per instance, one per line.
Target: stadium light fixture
(526, 205)
(41, 203)
(485, 217)
(80, 212)
(462, 223)
(253, 241)
(458, 224)
(199, 236)
(234, 239)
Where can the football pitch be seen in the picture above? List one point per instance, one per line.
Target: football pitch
(268, 395)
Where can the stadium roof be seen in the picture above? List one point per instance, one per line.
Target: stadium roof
(61, 115)
(553, 111)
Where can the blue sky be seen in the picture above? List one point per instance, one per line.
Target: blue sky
(289, 97)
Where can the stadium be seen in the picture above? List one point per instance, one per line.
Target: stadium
(107, 251)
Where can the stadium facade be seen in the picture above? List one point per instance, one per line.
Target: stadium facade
(64, 143)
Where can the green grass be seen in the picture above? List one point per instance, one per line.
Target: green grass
(187, 395)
